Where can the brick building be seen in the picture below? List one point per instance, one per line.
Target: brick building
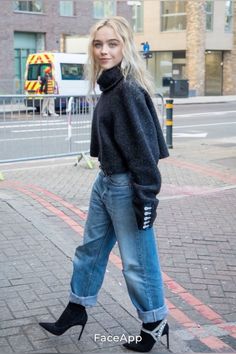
(37, 25)
(188, 39)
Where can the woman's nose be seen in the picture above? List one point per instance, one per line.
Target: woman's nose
(104, 49)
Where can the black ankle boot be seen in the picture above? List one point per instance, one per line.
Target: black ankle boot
(73, 315)
(150, 334)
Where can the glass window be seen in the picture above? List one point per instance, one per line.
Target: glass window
(72, 71)
(21, 55)
(173, 15)
(179, 65)
(209, 15)
(213, 74)
(137, 14)
(67, 8)
(36, 70)
(228, 15)
(104, 8)
(29, 6)
(163, 69)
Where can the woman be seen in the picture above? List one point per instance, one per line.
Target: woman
(127, 139)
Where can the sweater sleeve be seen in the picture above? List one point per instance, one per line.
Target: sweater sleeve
(140, 140)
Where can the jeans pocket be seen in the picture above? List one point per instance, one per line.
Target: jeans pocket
(120, 180)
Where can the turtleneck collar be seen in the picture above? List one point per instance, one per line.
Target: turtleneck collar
(109, 78)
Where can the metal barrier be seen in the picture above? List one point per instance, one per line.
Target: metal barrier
(160, 108)
(26, 135)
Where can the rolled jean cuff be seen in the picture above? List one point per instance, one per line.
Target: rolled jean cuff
(153, 315)
(84, 301)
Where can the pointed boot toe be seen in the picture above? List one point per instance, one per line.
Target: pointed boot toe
(73, 315)
(52, 328)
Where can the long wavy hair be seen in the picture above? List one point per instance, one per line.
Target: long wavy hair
(132, 64)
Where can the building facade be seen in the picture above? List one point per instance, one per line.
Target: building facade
(190, 39)
(44, 25)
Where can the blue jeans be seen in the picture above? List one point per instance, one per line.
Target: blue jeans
(111, 218)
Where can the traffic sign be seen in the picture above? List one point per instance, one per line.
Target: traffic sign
(147, 55)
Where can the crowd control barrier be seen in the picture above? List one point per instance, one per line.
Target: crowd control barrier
(160, 108)
(25, 134)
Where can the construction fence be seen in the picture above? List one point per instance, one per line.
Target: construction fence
(28, 134)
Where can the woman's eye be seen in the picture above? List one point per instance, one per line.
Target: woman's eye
(97, 45)
(112, 44)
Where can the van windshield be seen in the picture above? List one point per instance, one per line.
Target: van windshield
(36, 70)
(72, 71)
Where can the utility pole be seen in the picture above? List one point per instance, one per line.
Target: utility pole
(146, 52)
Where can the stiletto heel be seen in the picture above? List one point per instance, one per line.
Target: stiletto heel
(82, 329)
(166, 333)
(167, 341)
(73, 315)
(150, 337)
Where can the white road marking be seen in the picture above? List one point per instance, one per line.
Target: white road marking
(41, 124)
(190, 135)
(81, 142)
(203, 114)
(35, 137)
(47, 129)
(202, 125)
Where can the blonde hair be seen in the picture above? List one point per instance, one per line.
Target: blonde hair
(132, 63)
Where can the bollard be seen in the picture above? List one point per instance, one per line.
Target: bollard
(169, 123)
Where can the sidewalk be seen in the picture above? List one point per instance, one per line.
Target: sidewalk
(204, 99)
(43, 209)
(20, 107)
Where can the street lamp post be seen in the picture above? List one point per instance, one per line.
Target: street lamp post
(146, 51)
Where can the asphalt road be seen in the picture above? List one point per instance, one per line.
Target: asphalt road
(205, 121)
(29, 137)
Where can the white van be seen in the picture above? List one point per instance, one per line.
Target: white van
(67, 75)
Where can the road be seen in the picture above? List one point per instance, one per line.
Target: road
(211, 121)
(24, 138)
(36, 137)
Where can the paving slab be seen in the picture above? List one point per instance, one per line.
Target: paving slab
(43, 209)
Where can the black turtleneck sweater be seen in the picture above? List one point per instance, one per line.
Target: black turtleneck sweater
(126, 134)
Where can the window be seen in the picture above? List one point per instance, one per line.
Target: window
(228, 15)
(137, 14)
(213, 73)
(72, 71)
(36, 70)
(104, 8)
(29, 6)
(67, 8)
(179, 65)
(209, 15)
(163, 68)
(173, 15)
(20, 59)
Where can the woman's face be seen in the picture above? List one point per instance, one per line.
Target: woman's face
(107, 48)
